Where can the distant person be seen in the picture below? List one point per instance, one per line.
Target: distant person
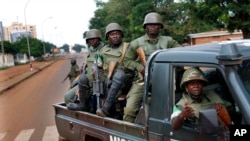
(74, 71)
(194, 99)
(139, 51)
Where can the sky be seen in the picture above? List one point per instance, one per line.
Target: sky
(56, 21)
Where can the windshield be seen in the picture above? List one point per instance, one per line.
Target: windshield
(244, 72)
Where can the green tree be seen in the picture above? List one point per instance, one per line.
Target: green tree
(177, 20)
(230, 14)
(78, 47)
(65, 47)
(9, 48)
(136, 17)
(111, 11)
(35, 45)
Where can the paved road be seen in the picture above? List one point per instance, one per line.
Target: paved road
(26, 112)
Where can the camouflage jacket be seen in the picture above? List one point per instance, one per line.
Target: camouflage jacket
(149, 46)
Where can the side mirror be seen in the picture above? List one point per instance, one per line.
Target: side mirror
(208, 121)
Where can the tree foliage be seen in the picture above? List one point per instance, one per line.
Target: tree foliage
(36, 46)
(230, 14)
(130, 15)
(65, 47)
(78, 47)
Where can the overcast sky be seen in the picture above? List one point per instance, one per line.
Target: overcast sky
(70, 18)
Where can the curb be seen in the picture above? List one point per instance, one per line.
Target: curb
(18, 79)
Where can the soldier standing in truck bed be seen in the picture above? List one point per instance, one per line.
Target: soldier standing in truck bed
(141, 48)
(84, 87)
(119, 78)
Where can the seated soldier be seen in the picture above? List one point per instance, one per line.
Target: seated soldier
(193, 100)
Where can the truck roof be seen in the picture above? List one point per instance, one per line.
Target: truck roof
(204, 53)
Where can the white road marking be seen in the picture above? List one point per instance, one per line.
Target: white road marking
(50, 134)
(2, 135)
(24, 135)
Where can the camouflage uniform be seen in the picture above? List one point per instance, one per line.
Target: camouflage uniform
(208, 98)
(113, 54)
(74, 71)
(121, 77)
(90, 61)
(134, 97)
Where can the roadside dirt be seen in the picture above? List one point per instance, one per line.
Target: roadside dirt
(17, 70)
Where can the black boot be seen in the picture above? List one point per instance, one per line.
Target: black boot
(117, 81)
(92, 104)
(83, 104)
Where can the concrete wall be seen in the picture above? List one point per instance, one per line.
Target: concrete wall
(6, 60)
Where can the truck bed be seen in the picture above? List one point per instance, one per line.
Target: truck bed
(79, 125)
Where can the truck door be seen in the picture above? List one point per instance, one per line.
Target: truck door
(194, 130)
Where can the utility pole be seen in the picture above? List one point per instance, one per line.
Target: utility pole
(27, 34)
(2, 38)
(44, 51)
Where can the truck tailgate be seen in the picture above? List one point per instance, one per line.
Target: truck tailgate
(79, 125)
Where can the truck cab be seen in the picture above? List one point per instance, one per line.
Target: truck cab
(227, 68)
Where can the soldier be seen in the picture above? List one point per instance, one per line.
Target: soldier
(118, 77)
(84, 87)
(194, 99)
(74, 71)
(141, 48)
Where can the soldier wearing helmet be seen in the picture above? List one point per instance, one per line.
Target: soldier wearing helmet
(74, 71)
(85, 82)
(194, 99)
(118, 77)
(140, 49)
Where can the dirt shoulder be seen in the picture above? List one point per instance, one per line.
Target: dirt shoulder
(13, 71)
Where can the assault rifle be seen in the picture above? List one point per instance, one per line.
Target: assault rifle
(67, 76)
(97, 84)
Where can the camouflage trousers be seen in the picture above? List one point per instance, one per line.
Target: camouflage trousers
(70, 94)
(134, 101)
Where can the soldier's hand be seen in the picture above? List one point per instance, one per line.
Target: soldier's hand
(187, 110)
(142, 70)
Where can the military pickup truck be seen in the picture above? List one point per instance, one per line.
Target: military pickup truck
(226, 66)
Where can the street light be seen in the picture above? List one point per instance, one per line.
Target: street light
(43, 36)
(2, 38)
(28, 44)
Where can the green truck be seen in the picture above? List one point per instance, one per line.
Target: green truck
(226, 66)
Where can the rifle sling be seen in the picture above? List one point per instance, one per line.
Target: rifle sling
(124, 47)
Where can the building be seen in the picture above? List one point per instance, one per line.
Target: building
(16, 29)
(14, 35)
(213, 36)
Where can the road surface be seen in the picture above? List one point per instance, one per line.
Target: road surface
(26, 111)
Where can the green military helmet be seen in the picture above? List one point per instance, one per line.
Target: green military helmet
(93, 33)
(152, 18)
(113, 27)
(192, 74)
(73, 61)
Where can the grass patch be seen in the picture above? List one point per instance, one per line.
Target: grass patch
(4, 68)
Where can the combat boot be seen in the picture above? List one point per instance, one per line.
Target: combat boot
(83, 104)
(92, 102)
(118, 79)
